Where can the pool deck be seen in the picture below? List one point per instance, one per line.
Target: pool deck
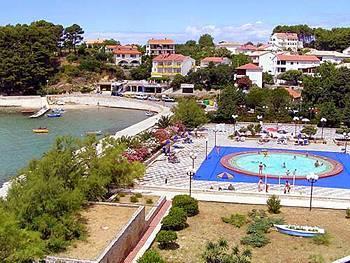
(245, 192)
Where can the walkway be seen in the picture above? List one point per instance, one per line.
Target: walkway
(148, 237)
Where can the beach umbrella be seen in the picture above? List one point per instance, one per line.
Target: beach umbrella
(225, 175)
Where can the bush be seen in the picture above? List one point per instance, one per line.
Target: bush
(274, 204)
(316, 259)
(149, 201)
(187, 203)
(175, 220)
(255, 240)
(138, 195)
(347, 213)
(236, 220)
(133, 199)
(151, 256)
(166, 238)
(324, 239)
(71, 58)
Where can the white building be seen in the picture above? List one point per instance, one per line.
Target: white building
(285, 41)
(263, 59)
(155, 47)
(169, 65)
(329, 56)
(230, 46)
(347, 51)
(215, 60)
(304, 63)
(252, 71)
(127, 56)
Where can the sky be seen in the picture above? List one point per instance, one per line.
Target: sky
(136, 21)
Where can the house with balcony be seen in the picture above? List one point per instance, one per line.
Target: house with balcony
(155, 47)
(305, 63)
(127, 56)
(263, 59)
(252, 71)
(169, 65)
(285, 41)
(329, 56)
(215, 60)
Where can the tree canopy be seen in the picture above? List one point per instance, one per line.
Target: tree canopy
(189, 113)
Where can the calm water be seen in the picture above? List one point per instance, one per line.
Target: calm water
(18, 144)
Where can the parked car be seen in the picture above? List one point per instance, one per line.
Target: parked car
(167, 99)
(153, 98)
(141, 96)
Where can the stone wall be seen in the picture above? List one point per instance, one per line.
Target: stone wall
(22, 101)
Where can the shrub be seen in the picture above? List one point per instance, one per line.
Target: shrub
(274, 204)
(149, 201)
(324, 239)
(187, 203)
(138, 195)
(255, 240)
(316, 259)
(347, 213)
(257, 213)
(166, 238)
(151, 256)
(175, 220)
(236, 220)
(71, 58)
(133, 199)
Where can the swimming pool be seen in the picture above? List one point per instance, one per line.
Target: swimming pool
(212, 167)
(281, 164)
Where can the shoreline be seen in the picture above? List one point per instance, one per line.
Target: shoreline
(84, 102)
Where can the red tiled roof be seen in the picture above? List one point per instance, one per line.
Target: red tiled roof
(170, 57)
(297, 58)
(213, 59)
(132, 50)
(247, 47)
(250, 66)
(293, 93)
(264, 46)
(164, 41)
(287, 35)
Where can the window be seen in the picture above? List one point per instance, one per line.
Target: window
(291, 63)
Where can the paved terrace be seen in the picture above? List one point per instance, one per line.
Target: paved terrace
(178, 180)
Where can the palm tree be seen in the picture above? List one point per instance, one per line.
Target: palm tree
(164, 122)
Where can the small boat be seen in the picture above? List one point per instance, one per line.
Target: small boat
(54, 115)
(28, 111)
(149, 113)
(58, 110)
(93, 133)
(41, 130)
(300, 231)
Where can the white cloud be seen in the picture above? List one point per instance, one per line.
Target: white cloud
(255, 32)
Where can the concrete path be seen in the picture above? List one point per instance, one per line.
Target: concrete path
(148, 237)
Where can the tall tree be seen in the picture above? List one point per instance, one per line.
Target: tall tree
(206, 40)
(73, 36)
(189, 113)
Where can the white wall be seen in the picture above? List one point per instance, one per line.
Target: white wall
(255, 76)
(266, 62)
(187, 65)
(294, 65)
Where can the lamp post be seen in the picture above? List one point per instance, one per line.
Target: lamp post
(323, 121)
(295, 119)
(215, 131)
(234, 117)
(190, 174)
(312, 178)
(193, 156)
(346, 137)
(206, 148)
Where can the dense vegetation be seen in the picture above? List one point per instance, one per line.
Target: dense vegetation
(41, 212)
(320, 38)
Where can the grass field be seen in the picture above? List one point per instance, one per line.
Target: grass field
(208, 226)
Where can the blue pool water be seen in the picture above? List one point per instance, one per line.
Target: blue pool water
(278, 164)
(211, 167)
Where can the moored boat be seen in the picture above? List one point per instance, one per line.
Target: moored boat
(28, 111)
(93, 133)
(149, 113)
(41, 130)
(300, 231)
(54, 115)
